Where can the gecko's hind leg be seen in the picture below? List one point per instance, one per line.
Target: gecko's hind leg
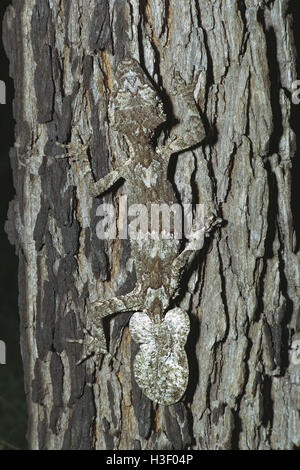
(190, 251)
(95, 341)
(123, 303)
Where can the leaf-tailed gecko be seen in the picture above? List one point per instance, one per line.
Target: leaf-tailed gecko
(136, 110)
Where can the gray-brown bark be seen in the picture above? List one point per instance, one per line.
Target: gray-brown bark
(243, 296)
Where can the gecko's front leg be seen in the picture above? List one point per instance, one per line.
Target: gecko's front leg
(191, 131)
(77, 154)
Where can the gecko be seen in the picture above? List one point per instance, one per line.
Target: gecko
(135, 111)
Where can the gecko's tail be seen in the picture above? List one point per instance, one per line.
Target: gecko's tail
(161, 367)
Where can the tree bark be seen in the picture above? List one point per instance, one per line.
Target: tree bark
(243, 294)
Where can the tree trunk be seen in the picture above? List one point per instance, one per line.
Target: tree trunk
(243, 293)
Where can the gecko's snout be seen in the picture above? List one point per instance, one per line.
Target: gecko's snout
(134, 101)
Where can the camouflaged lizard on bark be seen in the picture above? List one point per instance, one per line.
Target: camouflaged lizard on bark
(135, 110)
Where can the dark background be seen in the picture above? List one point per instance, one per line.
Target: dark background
(13, 419)
(12, 398)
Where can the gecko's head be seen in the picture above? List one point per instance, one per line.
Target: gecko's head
(135, 107)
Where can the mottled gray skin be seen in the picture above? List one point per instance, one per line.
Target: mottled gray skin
(160, 367)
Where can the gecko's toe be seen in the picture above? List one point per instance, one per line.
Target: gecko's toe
(94, 344)
(211, 222)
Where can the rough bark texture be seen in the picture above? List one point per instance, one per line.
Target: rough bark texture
(243, 295)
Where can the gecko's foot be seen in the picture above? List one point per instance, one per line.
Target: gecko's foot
(94, 343)
(196, 242)
(75, 151)
(211, 222)
(179, 86)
